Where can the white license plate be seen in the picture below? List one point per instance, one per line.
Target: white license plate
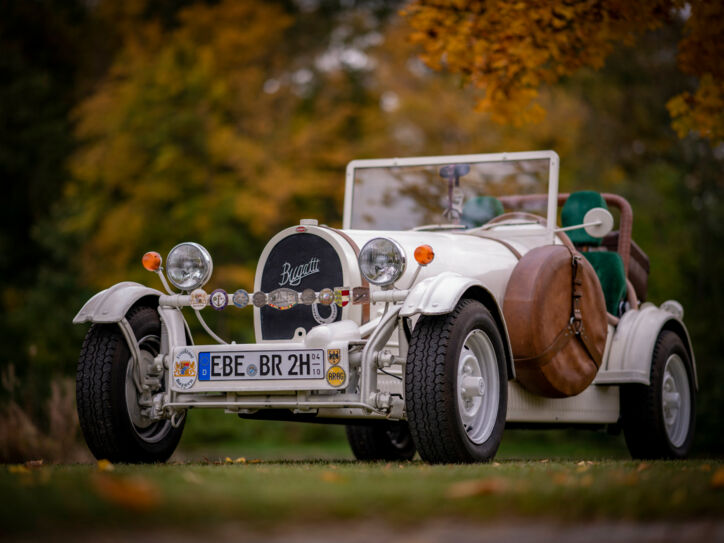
(261, 365)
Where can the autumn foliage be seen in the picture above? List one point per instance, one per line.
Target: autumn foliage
(509, 50)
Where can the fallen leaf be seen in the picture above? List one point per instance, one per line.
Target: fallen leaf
(331, 477)
(544, 461)
(717, 480)
(476, 487)
(642, 466)
(581, 463)
(191, 477)
(18, 469)
(134, 493)
(34, 464)
(240, 460)
(104, 465)
(228, 460)
(496, 464)
(255, 461)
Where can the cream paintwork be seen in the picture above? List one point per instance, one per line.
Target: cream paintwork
(632, 347)
(595, 405)
(112, 304)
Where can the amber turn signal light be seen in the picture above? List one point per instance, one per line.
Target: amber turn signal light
(152, 261)
(424, 255)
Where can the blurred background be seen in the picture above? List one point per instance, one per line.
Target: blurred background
(128, 126)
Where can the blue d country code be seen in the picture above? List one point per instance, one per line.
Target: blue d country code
(306, 364)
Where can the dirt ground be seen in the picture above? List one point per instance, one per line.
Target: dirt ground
(437, 531)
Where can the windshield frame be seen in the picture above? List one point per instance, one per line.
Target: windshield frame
(552, 156)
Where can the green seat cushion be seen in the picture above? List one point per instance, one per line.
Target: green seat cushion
(478, 211)
(609, 268)
(575, 208)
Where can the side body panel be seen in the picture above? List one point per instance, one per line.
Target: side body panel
(595, 405)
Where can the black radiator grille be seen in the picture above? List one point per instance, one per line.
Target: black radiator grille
(298, 262)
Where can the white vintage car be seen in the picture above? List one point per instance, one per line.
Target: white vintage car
(450, 306)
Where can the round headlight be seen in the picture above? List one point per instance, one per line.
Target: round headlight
(188, 266)
(382, 261)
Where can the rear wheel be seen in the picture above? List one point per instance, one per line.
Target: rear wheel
(456, 385)
(115, 426)
(658, 419)
(389, 441)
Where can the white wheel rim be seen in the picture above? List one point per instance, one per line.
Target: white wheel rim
(676, 400)
(478, 386)
(148, 430)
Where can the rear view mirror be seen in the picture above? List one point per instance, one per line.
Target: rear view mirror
(598, 222)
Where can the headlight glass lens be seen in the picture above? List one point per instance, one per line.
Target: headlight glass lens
(188, 266)
(382, 261)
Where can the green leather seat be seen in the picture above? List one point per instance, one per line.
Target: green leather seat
(478, 211)
(608, 265)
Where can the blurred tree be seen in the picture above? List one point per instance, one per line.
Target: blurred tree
(40, 56)
(510, 49)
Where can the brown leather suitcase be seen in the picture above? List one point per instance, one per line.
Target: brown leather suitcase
(556, 316)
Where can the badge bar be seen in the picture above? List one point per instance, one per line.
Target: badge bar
(281, 298)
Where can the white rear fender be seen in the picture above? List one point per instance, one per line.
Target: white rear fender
(439, 294)
(632, 346)
(112, 304)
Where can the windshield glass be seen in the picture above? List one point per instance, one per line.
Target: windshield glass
(404, 195)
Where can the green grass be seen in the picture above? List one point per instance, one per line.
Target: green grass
(268, 493)
(305, 473)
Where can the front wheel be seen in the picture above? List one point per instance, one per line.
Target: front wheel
(456, 385)
(115, 425)
(658, 419)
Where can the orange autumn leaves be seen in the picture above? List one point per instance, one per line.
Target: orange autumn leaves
(701, 54)
(509, 50)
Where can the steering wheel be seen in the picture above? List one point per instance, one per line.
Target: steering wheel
(516, 216)
(524, 216)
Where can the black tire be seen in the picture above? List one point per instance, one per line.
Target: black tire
(643, 414)
(390, 441)
(101, 394)
(431, 386)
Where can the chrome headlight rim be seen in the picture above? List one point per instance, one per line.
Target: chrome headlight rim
(207, 263)
(399, 271)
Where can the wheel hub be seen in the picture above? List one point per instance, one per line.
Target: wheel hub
(676, 400)
(138, 401)
(477, 386)
(136, 412)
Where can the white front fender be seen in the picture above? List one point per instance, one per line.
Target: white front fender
(437, 295)
(112, 304)
(440, 294)
(632, 347)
